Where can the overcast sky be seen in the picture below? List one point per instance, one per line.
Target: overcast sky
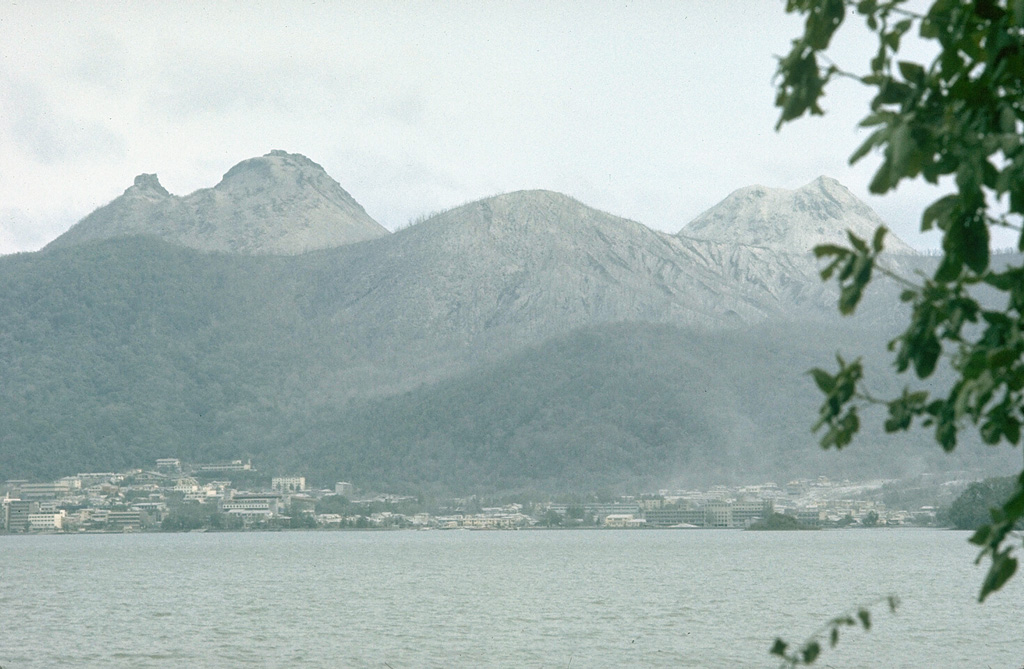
(654, 111)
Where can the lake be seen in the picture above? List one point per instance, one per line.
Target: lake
(598, 598)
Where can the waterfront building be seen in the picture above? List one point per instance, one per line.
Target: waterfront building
(42, 522)
(811, 515)
(681, 514)
(124, 520)
(747, 512)
(264, 505)
(622, 520)
(599, 511)
(16, 514)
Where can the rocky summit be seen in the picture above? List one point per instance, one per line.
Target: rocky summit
(791, 221)
(280, 203)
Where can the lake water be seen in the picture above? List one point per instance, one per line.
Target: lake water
(496, 599)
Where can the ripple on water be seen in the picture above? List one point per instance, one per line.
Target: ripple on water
(524, 599)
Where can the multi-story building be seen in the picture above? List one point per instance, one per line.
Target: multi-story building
(16, 514)
(50, 490)
(186, 485)
(123, 520)
(677, 515)
(97, 478)
(714, 513)
(718, 514)
(747, 512)
(252, 507)
(623, 520)
(288, 483)
(42, 522)
(233, 466)
(168, 465)
(810, 515)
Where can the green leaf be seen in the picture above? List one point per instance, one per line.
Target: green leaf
(1014, 507)
(822, 250)
(779, 647)
(877, 138)
(939, 212)
(1002, 357)
(949, 268)
(811, 652)
(1003, 567)
(911, 71)
(903, 150)
(857, 242)
(876, 243)
(825, 381)
(883, 179)
(925, 356)
(848, 299)
(981, 535)
(975, 246)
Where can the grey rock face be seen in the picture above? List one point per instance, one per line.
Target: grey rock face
(519, 267)
(791, 221)
(280, 203)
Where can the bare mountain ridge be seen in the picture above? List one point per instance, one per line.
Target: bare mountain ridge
(509, 270)
(280, 203)
(526, 265)
(791, 221)
(499, 273)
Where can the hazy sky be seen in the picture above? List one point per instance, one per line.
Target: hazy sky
(650, 110)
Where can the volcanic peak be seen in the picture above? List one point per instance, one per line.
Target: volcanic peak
(791, 221)
(280, 203)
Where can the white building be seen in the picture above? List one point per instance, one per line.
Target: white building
(623, 520)
(288, 483)
(40, 522)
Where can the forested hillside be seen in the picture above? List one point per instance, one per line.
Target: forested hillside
(522, 342)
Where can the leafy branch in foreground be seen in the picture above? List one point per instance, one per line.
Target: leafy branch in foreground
(959, 118)
(809, 651)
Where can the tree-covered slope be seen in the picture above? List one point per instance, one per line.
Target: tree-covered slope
(616, 406)
(525, 341)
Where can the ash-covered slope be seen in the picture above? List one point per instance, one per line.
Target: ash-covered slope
(532, 264)
(791, 221)
(280, 203)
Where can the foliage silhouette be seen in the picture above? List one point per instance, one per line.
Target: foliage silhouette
(958, 119)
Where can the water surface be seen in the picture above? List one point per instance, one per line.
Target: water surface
(495, 599)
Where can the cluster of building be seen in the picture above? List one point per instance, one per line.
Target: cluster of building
(137, 499)
(148, 499)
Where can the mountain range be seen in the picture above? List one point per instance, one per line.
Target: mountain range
(525, 341)
(279, 203)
